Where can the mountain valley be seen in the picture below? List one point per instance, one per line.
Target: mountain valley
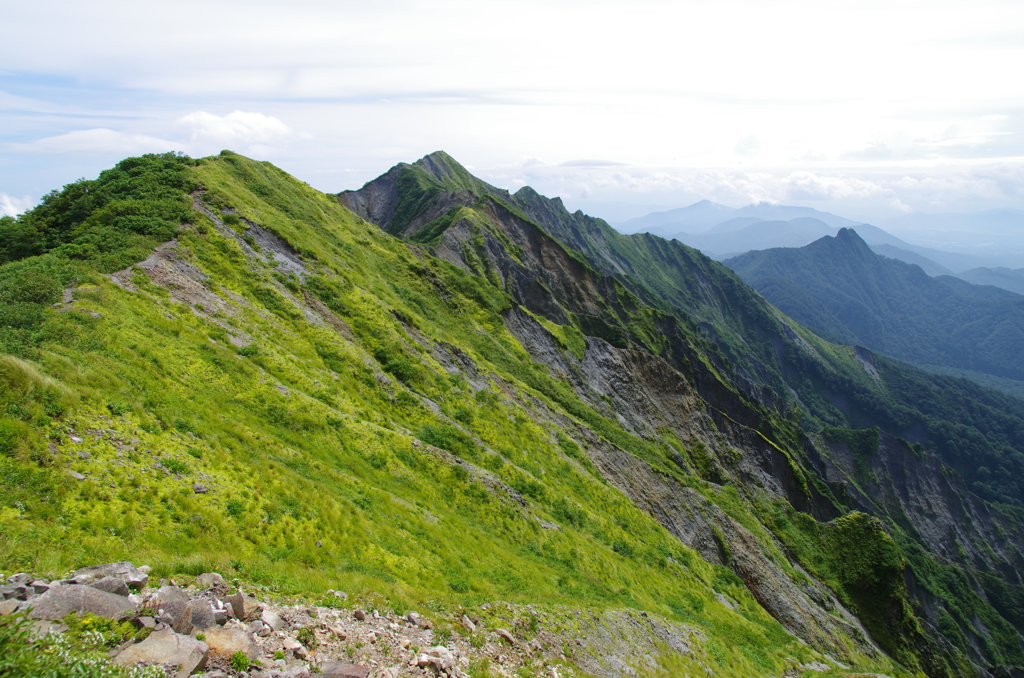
(434, 393)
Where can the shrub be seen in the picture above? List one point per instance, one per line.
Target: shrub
(239, 661)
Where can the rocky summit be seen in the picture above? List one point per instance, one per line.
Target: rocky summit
(521, 443)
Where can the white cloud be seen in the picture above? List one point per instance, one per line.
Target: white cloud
(12, 207)
(239, 127)
(98, 140)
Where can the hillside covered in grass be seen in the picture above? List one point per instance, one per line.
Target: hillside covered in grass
(209, 366)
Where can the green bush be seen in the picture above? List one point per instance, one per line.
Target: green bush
(239, 661)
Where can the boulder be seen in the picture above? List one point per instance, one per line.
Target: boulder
(337, 669)
(209, 580)
(112, 585)
(61, 600)
(245, 607)
(9, 606)
(197, 616)
(468, 624)
(226, 642)
(167, 647)
(124, 571)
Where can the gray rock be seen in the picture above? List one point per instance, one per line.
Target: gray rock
(124, 571)
(40, 585)
(359, 615)
(226, 642)
(272, 620)
(76, 475)
(506, 635)
(199, 489)
(111, 585)
(442, 658)
(16, 592)
(167, 647)
(168, 594)
(209, 580)
(244, 606)
(61, 600)
(468, 624)
(20, 578)
(338, 669)
(9, 606)
(144, 622)
(197, 616)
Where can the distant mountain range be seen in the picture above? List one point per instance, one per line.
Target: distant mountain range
(723, 232)
(846, 292)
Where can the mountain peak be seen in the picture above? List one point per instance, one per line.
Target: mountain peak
(442, 166)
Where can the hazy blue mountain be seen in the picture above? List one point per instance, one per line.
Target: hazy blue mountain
(842, 289)
(734, 224)
(927, 265)
(770, 212)
(697, 217)
(994, 234)
(1006, 278)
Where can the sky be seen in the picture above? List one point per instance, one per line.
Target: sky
(866, 109)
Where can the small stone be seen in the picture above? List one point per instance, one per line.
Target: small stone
(272, 620)
(338, 632)
(301, 652)
(208, 580)
(468, 624)
(199, 489)
(359, 615)
(76, 439)
(144, 622)
(76, 475)
(485, 606)
(341, 594)
(506, 636)
(84, 455)
(319, 543)
(405, 643)
(18, 579)
(291, 644)
(145, 569)
(338, 669)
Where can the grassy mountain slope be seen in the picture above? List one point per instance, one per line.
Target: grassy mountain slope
(355, 410)
(740, 357)
(290, 393)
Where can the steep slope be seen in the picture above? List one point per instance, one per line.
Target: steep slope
(286, 392)
(209, 365)
(739, 355)
(840, 287)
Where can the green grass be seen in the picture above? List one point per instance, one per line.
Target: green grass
(310, 434)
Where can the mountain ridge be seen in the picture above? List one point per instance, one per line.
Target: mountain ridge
(510, 402)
